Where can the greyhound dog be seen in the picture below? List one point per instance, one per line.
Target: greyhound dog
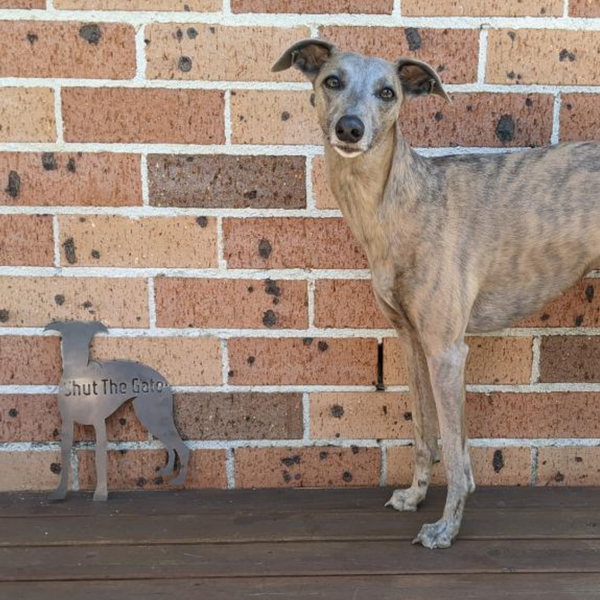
(455, 244)
(90, 391)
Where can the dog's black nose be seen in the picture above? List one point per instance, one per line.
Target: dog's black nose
(350, 129)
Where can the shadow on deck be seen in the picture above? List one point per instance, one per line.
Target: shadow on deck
(516, 543)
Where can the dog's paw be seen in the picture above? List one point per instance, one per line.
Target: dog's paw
(436, 535)
(57, 496)
(100, 496)
(405, 500)
(178, 481)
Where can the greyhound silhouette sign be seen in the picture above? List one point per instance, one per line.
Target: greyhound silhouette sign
(90, 391)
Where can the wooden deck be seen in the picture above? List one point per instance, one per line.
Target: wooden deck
(515, 544)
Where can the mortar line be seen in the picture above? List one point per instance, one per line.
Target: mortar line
(534, 465)
(140, 54)
(224, 363)
(278, 86)
(482, 63)
(535, 360)
(230, 468)
(56, 240)
(374, 335)
(151, 303)
(309, 188)
(227, 117)
(555, 138)
(311, 303)
(321, 388)
(74, 470)
(221, 260)
(144, 179)
(397, 9)
(58, 118)
(383, 453)
(286, 21)
(566, 9)
(300, 443)
(306, 402)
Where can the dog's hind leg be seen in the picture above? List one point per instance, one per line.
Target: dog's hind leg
(101, 492)
(66, 444)
(170, 466)
(447, 378)
(156, 414)
(424, 419)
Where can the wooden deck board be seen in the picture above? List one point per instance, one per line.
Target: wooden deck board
(310, 544)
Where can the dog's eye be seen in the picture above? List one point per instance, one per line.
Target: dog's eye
(333, 83)
(387, 94)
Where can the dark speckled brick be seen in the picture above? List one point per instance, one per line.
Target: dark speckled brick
(570, 359)
(227, 181)
(243, 416)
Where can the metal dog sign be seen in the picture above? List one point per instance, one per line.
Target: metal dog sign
(90, 391)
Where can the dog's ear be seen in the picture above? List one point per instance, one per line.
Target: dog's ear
(308, 56)
(419, 79)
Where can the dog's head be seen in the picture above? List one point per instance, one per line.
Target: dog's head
(358, 98)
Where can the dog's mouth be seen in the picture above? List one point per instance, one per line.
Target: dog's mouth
(348, 151)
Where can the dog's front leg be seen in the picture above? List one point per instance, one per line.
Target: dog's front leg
(65, 467)
(425, 426)
(446, 369)
(101, 493)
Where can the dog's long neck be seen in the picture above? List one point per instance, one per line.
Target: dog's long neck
(75, 354)
(359, 184)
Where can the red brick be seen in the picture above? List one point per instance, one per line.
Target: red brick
(512, 466)
(239, 416)
(217, 52)
(26, 240)
(23, 4)
(307, 467)
(540, 415)
(158, 5)
(298, 361)
(570, 359)
(29, 471)
(115, 302)
(479, 119)
(115, 241)
(35, 418)
(577, 307)
(68, 49)
(136, 470)
(27, 115)
(135, 115)
(321, 191)
(491, 360)
(452, 52)
(183, 361)
(312, 6)
(542, 56)
(274, 243)
(579, 118)
(226, 303)
(360, 415)
(221, 181)
(569, 466)
(342, 303)
(286, 118)
(584, 8)
(69, 179)
(482, 8)
(375, 415)
(29, 360)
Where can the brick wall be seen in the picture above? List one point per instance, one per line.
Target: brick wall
(156, 175)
